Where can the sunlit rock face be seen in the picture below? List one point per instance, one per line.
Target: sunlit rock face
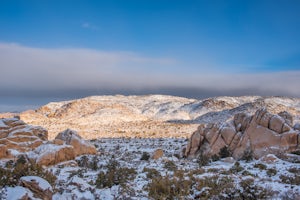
(262, 133)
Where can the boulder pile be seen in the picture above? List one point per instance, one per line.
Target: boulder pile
(261, 134)
(18, 138)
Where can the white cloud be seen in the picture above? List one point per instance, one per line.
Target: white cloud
(27, 67)
(30, 68)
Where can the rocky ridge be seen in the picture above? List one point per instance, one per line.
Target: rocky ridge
(261, 134)
(148, 116)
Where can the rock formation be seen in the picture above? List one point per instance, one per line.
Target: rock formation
(39, 186)
(17, 137)
(70, 137)
(261, 133)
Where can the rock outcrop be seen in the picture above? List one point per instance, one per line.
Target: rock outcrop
(17, 137)
(261, 133)
(50, 154)
(70, 137)
(39, 186)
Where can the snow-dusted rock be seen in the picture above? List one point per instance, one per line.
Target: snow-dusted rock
(39, 186)
(3, 151)
(80, 145)
(50, 154)
(158, 153)
(263, 133)
(19, 193)
(18, 136)
(297, 126)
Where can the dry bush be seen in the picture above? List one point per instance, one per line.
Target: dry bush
(23, 167)
(115, 175)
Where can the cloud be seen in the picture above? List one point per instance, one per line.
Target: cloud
(66, 71)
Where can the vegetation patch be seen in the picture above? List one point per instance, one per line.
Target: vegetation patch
(23, 167)
(115, 175)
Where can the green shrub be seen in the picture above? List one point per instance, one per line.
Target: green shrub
(236, 168)
(115, 175)
(215, 157)
(170, 165)
(260, 166)
(23, 167)
(247, 155)
(297, 152)
(251, 191)
(203, 160)
(271, 172)
(294, 170)
(214, 187)
(169, 188)
(225, 152)
(293, 180)
(85, 162)
(151, 173)
(145, 156)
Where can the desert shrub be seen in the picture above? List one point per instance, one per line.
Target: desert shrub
(293, 180)
(115, 175)
(251, 191)
(247, 173)
(177, 155)
(213, 170)
(289, 195)
(145, 156)
(225, 152)
(203, 160)
(271, 172)
(86, 162)
(260, 166)
(151, 173)
(170, 165)
(215, 187)
(236, 168)
(215, 157)
(24, 167)
(297, 152)
(247, 155)
(294, 170)
(169, 188)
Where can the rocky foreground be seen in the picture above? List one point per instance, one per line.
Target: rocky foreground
(248, 150)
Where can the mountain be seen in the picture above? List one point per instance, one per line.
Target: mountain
(150, 115)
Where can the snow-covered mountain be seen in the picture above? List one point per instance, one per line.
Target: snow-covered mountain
(150, 115)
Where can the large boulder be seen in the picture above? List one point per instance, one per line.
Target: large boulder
(39, 186)
(50, 154)
(15, 135)
(80, 145)
(262, 133)
(3, 151)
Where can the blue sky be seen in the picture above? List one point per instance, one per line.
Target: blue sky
(140, 46)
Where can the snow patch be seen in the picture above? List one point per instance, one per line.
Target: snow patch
(42, 183)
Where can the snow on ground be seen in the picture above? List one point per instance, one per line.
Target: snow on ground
(17, 192)
(79, 182)
(79, 179)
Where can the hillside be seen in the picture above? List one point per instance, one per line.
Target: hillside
(148, 116)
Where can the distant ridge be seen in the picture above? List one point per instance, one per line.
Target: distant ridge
(148, 115)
